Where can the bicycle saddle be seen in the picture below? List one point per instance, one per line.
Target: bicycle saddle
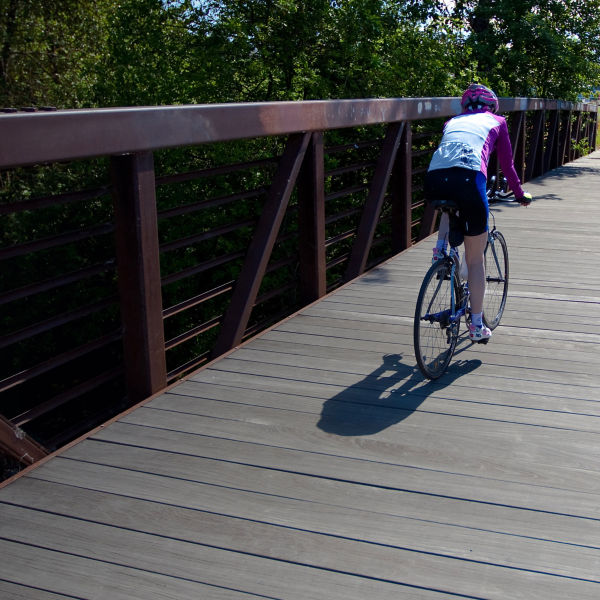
(445, 205)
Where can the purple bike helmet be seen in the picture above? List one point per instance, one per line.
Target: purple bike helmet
(478, 96)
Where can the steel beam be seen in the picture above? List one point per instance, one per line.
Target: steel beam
(16, 443)
(138, 270)
(311, 222)
(372, 209)
(402, 193)
(259, 252)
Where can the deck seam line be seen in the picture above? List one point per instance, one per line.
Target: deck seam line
(260, 556)
(349, 458)
(331, 478)
(289, 561)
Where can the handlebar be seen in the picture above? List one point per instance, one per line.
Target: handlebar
(498, 192)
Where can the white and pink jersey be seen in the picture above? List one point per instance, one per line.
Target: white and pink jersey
(468, 141)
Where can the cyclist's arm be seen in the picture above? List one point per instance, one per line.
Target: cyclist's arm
(504, 152)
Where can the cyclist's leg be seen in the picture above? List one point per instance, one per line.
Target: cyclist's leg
(474, 248)
(475, 212)
(443, 231)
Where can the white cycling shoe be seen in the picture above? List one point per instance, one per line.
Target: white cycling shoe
(479, 334)
(438, 254)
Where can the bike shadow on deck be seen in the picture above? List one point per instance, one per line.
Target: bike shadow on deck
(386, 396)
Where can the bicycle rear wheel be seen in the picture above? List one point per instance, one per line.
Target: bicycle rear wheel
(435, 336)
(496, 276)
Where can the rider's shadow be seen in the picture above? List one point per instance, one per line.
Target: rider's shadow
(384, 397)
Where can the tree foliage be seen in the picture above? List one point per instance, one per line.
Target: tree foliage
(49, 51)
(75, 53)
(547, 49)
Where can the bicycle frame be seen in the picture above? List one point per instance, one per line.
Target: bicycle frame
(449, 317)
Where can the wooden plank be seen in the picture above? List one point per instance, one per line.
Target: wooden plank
(499, 354)
(484, 377)
(496, 404)
(396, 328)
(283, 528)
(16, 591)
(72, 576)
(330, 330)
(520, 305)
(340, 309)
(189, 560)
(546, 292)
(494, 369)
(407, 484)
(581, 381)
(380, 421)
(512, 451)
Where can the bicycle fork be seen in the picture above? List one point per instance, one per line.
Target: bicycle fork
(449, 319)
(499, 278)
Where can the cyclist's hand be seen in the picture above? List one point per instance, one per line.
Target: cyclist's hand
(525, 199)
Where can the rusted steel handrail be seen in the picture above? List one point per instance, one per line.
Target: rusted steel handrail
(30, 138)
(544, 133)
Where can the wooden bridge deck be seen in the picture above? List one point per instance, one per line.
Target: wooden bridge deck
(315, 462)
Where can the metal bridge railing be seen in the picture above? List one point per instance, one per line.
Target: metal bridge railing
(140, 243)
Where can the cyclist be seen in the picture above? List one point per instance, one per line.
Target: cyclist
(458, 172)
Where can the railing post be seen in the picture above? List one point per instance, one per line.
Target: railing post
(246, 288)
(402, 193)
(517, 138)
(535, 146)
(372, 209)
(565, 137)
(574, 151)
(551, 154)
(136, 234)
(588, 128)
(311, 221)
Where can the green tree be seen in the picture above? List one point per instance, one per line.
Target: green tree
(149, 54)
(264, 49)
(283, 50)
(49, 50)
(548, 49)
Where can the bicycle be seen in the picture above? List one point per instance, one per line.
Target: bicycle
(444, 298)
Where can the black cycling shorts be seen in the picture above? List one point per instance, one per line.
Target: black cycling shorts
(465, 187)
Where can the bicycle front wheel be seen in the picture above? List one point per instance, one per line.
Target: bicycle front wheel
(435, 328)
(496, 279)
